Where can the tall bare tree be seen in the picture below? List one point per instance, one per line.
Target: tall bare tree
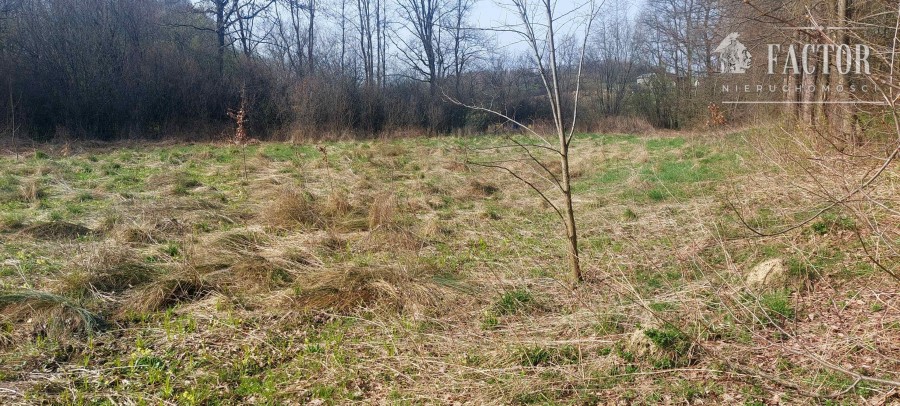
(423, 53)
(465, 45)
(233, 22)
(614, 59)
(366, 30)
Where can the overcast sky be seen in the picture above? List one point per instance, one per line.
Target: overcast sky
(490, 13)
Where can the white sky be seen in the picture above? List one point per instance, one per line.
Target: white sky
(490, 13)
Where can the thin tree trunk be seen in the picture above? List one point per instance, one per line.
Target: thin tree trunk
(378, 40)
(343, 35)
(220, 36)
(312, 36)
(12, 119)
(571, 231)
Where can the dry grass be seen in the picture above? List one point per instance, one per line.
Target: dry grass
(250, 275)
(178, 287)
(400, 276)
(337, 204)
(383, 211)
(480, 188)
(396, 288)
(290, 208)
(57, 230)
(622, 125)
(31, 191)
(242, 242)
(48, 314)
(108, 269)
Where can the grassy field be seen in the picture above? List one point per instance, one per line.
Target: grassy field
(391, 272)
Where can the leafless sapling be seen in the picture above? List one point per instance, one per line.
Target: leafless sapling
(537, 28)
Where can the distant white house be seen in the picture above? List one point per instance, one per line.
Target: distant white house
(647, 78)
(644, 80)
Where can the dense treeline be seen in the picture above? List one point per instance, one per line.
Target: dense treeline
(152, 68)
(108, 68)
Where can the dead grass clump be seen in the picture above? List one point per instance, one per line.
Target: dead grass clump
(170, 227)
(383, 211)
(482, 189)
(251, 275)
(244, 242)
(137, 235)
(48, 314)
(432, 228)
(31, 191)
(400, 289)
(391, 239)
(298, 257)
(641, 155)
(177, 184)
(109, 269)
(11, 222)
(389, 149)
(154, 232)
(57, 230)
(290, 209)
(170, 290)
(337, 204)
(454, 166)
(339, 213)
(333, 243)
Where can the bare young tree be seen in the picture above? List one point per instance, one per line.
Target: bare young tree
(538, 29)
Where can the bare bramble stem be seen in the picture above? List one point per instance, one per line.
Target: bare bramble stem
(240, 133)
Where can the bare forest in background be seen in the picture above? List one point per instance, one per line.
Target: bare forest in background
(113, 69)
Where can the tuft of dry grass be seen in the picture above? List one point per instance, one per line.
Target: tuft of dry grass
(337, 204)
(479, 188)
(391, 239)
(137, 235)
(167, 291)
(242, 242)
(389, 149)
(402, 289)
(48, 314)
(31, 191)
(641, 155)
(339, 214)
(383, 211)
(253, 274)
(108, 269)
(290, 208)
(57, 230)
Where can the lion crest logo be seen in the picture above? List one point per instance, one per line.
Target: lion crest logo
(733, 55)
